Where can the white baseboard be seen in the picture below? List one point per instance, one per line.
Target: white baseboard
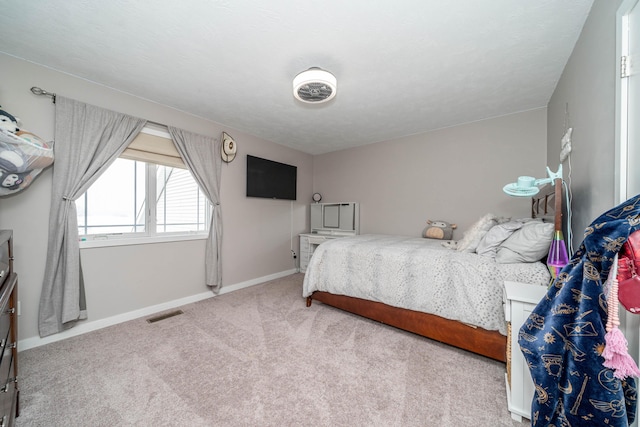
(88, 326)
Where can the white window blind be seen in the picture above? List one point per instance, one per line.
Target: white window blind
(181, 206)
(153, 145)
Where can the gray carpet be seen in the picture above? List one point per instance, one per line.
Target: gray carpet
(259, 357)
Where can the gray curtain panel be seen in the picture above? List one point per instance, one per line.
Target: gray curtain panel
(88, 139)
(202, 155)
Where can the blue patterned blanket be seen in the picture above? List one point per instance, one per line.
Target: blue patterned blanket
(563, 339)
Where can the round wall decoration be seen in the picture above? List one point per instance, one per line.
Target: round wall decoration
(229, 148)
(316, 197)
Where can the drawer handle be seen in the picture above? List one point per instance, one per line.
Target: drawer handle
(3, 344)
(6, 386)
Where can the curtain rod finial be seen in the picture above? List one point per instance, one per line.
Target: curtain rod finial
(41, 92)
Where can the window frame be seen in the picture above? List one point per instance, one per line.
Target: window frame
(110, 240)
(150, 235)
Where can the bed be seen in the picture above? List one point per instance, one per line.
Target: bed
(452, 295)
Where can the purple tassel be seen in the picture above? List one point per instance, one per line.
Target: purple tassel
(617, 357)
(616, 350)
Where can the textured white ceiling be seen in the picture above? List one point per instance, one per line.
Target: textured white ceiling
(403, 67)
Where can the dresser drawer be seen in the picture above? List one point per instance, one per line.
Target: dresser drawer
(9, 391)
(5, 325)
(304, 244)
(6, 362)
(8, 396)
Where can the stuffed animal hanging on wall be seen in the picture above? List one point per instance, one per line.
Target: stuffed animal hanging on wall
(23, 155)
(8, 122)
(439, 230)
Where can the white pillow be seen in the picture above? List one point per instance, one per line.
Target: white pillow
(528, 244)
(472, 236)
(489, 244)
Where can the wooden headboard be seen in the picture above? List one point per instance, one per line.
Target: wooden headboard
(547, 204)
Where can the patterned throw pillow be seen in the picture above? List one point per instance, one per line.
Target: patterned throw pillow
(472, 236)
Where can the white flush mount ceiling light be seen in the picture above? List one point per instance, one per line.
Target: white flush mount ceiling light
(314, 86)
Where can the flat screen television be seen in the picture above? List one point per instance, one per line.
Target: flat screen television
(270, 180)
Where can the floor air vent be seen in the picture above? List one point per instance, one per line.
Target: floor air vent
(164, 316)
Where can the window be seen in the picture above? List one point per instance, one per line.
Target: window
(135, 200)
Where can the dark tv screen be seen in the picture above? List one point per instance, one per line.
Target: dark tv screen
(270, 180)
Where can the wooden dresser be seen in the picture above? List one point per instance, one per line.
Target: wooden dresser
(9, 407)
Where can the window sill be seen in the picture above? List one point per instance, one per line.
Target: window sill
(108, 241)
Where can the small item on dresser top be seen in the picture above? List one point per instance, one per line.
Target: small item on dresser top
(442, 230)
(628, 269)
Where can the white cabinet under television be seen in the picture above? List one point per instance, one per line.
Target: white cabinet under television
(328, 221)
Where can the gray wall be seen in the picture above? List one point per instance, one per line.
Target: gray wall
(454, 174)
(587, 91)
(256, 242)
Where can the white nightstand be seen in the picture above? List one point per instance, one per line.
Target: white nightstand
(519, 301)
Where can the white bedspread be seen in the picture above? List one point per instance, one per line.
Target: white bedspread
(418, 274)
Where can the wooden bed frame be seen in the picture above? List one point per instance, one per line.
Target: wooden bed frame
(487, 343)
(547, 204)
